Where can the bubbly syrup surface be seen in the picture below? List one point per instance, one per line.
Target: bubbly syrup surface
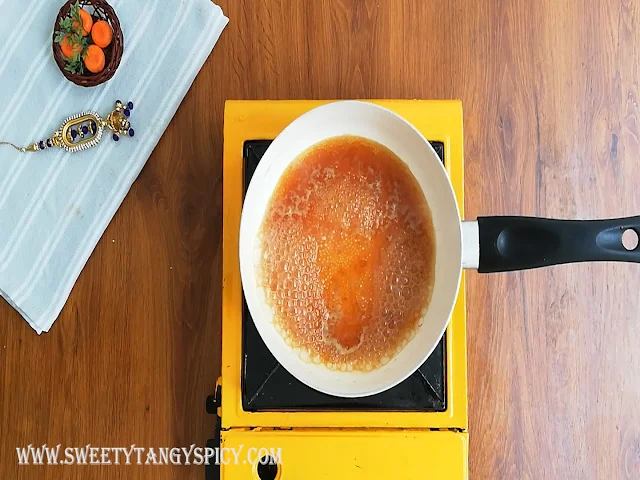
(348, 254)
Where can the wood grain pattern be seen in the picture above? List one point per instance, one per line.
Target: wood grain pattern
(550, 93)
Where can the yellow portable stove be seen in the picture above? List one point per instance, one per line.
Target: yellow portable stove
(416, 430)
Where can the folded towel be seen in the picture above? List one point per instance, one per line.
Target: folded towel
(55, 206)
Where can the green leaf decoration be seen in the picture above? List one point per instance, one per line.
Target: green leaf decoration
(74, 65)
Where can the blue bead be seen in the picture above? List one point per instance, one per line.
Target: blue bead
(49, 144)
(115, 137)
(41, 145)
(131, 132)
(85, 130)
(74, 134)
(126, 112)
(130, 105)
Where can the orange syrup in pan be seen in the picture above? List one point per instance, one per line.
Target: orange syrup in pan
(348, 254)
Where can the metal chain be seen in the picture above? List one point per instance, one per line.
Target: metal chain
(20, 149)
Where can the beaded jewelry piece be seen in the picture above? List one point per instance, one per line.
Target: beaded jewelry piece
(84, 130)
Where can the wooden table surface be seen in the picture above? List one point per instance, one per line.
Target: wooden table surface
(550, 95)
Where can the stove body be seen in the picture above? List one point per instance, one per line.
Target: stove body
(415, 430)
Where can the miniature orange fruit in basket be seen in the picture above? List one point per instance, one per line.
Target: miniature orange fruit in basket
(94, 59)
(69, 48)
(101, 34)
(87, 22)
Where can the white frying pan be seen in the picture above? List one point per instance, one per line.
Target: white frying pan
(490, 244)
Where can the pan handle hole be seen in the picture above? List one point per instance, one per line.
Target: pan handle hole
(267, 468)
(630, 239)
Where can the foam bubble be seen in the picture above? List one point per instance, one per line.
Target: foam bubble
(304, 355)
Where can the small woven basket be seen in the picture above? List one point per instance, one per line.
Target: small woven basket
(99, 10)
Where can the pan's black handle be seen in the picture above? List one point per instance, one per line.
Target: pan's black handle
(519, 243)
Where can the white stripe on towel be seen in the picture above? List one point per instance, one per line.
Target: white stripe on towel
(29, 15)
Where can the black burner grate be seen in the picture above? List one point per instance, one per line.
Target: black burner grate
(267, 386)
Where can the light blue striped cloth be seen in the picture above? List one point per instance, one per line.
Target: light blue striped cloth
(55, 206)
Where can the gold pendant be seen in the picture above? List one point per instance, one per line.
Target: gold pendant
(85, 130)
